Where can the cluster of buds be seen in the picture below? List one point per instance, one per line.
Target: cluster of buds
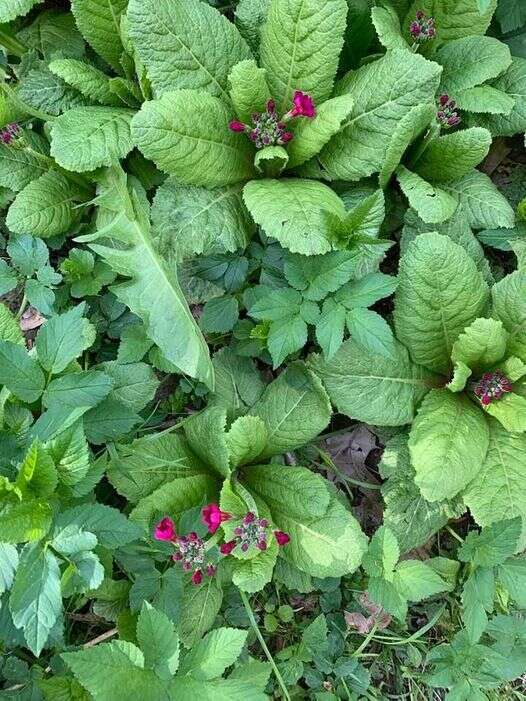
(446, 115)
(252, 532)
(422, 28)
(491, 387)
(268, 129)
(9, 133)
(190, 551)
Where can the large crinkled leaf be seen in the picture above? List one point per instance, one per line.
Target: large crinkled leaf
(497, 493)
(238, 382)
(186, 134)
(484, 206)
(249, 91)
(190, 220)
(205, 433)
(412, 518)
(87, 79)
(432, 203)
(300, 47)
(99, 22)
(25, 521)
(484, 99)
(250, 16)
(218, 650)
(509, 305)
(148, 463)
(246, 440)
(185, 44)
(454, 19)
(294, 212)
(311, 135)
(295, 409)
(86, 138)
(511, 14)
(453, 155)
(481, 345)
(152, 291)
(199, 609)
(174, 498)
(10, 9)
(440, 292)
(35, 600)
(448, 444)
(46, 206)
(513, 84)
(63, 338)
(510, 410)
(384, 92)
(471, 61)
(45, 91)
(372, 388)
(387, 25)
(253, 574)
(18, 167)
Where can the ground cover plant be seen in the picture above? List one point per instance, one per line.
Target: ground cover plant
(262, 350)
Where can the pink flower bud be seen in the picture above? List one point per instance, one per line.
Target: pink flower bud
(197, 577)
(249, 518)
(211, 570)
(236, 125)
(282, 537)
(165, 530)
(213, 517)
(226, 548)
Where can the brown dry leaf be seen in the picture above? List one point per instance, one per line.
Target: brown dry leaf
(31, 319)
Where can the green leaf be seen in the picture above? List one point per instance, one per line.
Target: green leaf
(471, 61)
(109, 420)
(110, 670)
(19, 372)
(511, 14)
(9, 327)
(174, 498)
(481, 345)
(415, 580)
(35, 602)
(37, 476)
(86, 138)
(111, 527)
(440, 292)
(497, 493)
(513, 84)
(177, 44)
(509, 305)
(311, 135)
(149, 462)
(293, 211)
(285, 337)
(16, 8)
(246, 440)
(152, 293)
(198, 220)
(300, 46)
(205, 433)
(512, 575)
(372, 388)
(276, 305)
(372, 332)
(185, 133)
(19, 166)
(387, 25)
(238, 383)
(510, 411)
(366, 291)
(485, 99)
(448, 444)
(363, 220)
(218, 650)
(99, 23)
(477, 598)
(384, 92)
(253, 574)
(248, 89)
(8, 565)
(158, 640)
(77, 389)
(42, 90)
(433, 204)
(382, 555)
(412, 519)
(493, 545)
(63, 338)
(484, 206)
(87, 79)
(295, 409)
(45, 207)
(451, 156)
(453, 21)
(26, 521)
(133, 384)
(384, 594)
(330, 328)
(70, 453)
(28, 254)
(201, 604)
(220, 314)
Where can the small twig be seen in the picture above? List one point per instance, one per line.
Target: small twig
(101, 638)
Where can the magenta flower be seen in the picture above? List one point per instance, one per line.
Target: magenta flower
(267, 129)
(165, 530)
(213, 517)
(197, 577)
(282, 537)
(226, 548)
(236, 125)
(491, 387)
(422, 28)
(303, 105)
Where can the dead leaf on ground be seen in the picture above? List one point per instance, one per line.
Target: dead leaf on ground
(31, 319)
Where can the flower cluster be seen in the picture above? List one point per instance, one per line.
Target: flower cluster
(268, 129)
(422, 28)
(446, 114)
(491, 387)
(9, 133)
(191, 550)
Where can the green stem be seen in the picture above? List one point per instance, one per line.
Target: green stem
(454, 534)
(366, 641)
(433, 132)
(11, 44)
(268, 655)
(328, 462)
(22, 307)
(24, 107)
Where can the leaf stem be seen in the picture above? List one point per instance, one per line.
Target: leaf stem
(268, 655)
